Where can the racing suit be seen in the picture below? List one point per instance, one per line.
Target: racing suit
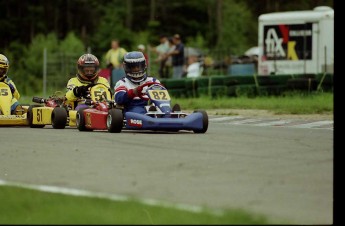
(72, 100)
(121, 96)
(15, 93)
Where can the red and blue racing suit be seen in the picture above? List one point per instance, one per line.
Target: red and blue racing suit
(135, 104)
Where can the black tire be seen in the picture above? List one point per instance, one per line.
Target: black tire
(204, 122)
(29, 117)
(115, 120)
(80, 120)
(59, 118)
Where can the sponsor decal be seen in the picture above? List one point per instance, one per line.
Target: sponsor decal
(135, 122)
(288, 42)
(13, 116)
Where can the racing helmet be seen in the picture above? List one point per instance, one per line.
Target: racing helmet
(88, 67)
(4, 65)
(134, 64)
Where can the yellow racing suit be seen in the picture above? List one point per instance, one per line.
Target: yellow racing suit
(15, 95)
(72, 100)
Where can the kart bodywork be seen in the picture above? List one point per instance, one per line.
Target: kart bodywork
(52, 112)
(162, 118)
(94, 117)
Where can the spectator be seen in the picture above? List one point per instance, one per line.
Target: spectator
(114, 56)
(161, 50)
(194, 68)
(142, 48)
(177, 56)
(114, 61)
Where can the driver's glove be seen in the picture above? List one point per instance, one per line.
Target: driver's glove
(136, 91)
(80, 91)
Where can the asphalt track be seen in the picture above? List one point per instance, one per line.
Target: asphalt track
(285, 173)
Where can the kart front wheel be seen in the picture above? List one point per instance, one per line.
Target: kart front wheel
(80, 120)
(59, 118)
(115, 120)
(204, 122)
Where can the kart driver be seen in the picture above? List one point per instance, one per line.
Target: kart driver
(4, 66)
(129, 88)
(87, 75)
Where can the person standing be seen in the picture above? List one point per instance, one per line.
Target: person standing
(114, 56)
(114, 61)
(177, 56)
(142, 48)
(161, 50)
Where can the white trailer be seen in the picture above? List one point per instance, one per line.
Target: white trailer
(296, 42)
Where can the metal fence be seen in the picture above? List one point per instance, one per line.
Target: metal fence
(58, 68)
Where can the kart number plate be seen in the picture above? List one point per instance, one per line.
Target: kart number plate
(159, 95)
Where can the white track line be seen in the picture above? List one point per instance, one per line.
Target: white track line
(313, 124)
(250, 120)
(274, 123)
(224, 118)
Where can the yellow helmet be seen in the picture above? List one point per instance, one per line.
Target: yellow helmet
(4, 65)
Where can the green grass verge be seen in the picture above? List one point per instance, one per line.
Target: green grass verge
(290, 103)
(28, 206)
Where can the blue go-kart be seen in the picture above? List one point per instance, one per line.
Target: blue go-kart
(159, 116)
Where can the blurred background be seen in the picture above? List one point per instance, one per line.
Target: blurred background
(43, 38)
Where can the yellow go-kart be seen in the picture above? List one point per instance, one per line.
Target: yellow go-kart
(53, 112)
(59, 112)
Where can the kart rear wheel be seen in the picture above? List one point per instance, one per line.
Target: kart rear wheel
(29, 117)
(59, 118)
(115, 120)
(204, 122)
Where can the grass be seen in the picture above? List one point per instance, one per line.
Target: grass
(27, 206)
(291, 103)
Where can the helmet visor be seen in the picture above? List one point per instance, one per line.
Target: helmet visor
(3, 71)
(136, 70)
(135, 67)
(89, 71)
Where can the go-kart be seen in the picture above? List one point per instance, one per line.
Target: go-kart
(52, 112)
(162, 118)
(94, 116)
(58, 112)
(6, 119)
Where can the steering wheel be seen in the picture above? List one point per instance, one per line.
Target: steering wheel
(141, 94)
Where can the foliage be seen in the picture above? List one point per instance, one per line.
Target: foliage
(29, 27)
(71, 44)
(26, 62)
(235, 30)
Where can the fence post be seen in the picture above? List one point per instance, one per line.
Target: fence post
(44, 71)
